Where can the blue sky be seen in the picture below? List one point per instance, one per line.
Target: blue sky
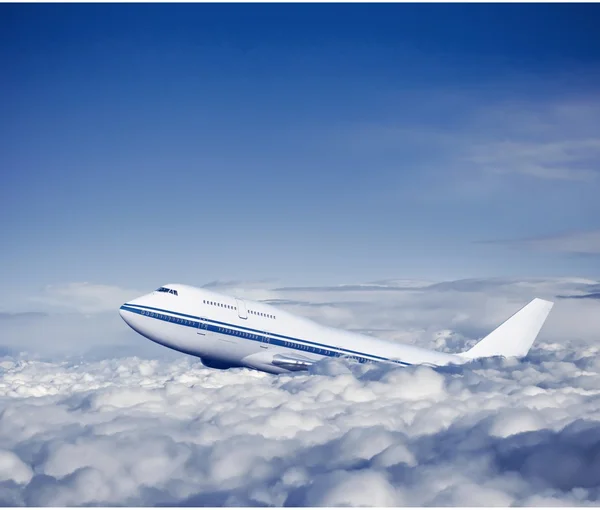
(312, 144)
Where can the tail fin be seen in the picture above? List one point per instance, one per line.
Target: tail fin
(515, 336)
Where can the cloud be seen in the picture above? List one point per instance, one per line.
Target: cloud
(550, 139)
(145, 432)
(109, 428)
(574, 160)
(583, 243)
(21, 315)
(84, 297)
(553, 139)
(595, 295)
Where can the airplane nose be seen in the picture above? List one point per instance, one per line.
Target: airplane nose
(130, 311)
(123, 312)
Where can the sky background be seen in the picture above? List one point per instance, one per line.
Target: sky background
(309, 144)
(449, 153)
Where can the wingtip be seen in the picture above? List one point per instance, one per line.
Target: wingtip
(544, 302)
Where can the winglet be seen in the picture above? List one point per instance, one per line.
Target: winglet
(515, 336)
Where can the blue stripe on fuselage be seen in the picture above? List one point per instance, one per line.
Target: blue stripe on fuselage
(252, 334)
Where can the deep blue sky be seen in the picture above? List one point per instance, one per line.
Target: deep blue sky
(315, 143)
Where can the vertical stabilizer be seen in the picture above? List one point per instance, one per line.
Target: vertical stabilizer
(515, 336)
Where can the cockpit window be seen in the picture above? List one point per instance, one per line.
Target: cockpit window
(164, 289)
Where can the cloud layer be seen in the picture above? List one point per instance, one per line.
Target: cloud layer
(138, 432)
(153, 430)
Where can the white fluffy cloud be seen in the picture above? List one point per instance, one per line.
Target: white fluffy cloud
(84, 297)
(145, 431)
(142, 432)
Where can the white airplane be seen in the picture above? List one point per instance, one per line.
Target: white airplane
(227, 332)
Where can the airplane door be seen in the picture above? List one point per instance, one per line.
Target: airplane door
(265, 340)
(242, 312)
(202, 328)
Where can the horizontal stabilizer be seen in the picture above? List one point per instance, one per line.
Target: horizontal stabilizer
(515, 336)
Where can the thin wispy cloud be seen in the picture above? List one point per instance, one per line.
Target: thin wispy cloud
(581, 243)
(575, 160)
(548, 138)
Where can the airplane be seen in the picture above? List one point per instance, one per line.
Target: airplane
(227, 332)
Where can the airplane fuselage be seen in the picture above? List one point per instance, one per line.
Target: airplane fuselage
(225, 331)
